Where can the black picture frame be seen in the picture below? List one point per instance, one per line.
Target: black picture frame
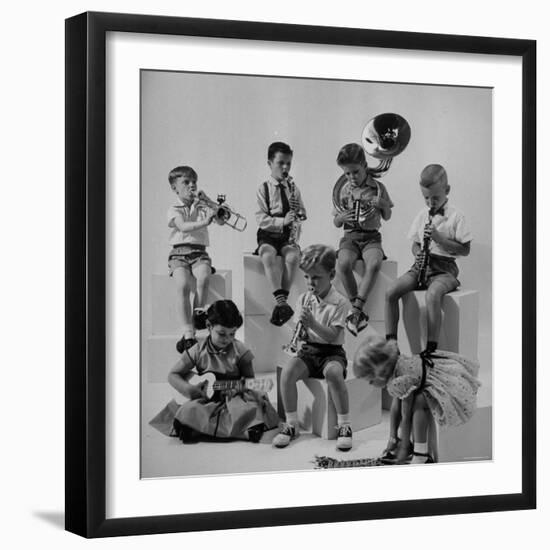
(86, 273)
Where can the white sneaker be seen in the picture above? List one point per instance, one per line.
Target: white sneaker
(343, 440)
(287, 433)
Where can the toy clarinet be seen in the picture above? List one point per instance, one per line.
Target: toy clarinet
(296, 227)
(297, 340)
(423, 271)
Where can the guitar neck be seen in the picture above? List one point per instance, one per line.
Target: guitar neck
(261, 384)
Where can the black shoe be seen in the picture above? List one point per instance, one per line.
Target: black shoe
(199, 319)
(255, 433)
(428, 457)
(184, 433)
(185, 343)
(281, 314)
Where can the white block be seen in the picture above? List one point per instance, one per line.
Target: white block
(266, 341)
(258, 293)
(375, 307)
(459, 324)
(471, 441)
(316, 411)
(165, 319)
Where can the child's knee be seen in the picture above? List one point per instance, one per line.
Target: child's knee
(393, 293)
(292, 257)
(345, 264)
(291, 371)
(334, 373)
(269, 257)
(434, 296)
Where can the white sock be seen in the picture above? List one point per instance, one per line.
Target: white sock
(292, 418)
(421, 448)
(343, 419)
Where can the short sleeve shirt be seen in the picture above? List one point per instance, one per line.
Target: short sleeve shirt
(193, 213)
(331, 311)
(452, 224)
(204, 357)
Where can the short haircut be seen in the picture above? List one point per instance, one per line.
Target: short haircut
(318, 254)
(373, 353)
(278, 147)
(433, 174)
(352, 153)
(224, 313)
(182, 171)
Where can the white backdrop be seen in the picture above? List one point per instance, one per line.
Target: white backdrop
(32, 290)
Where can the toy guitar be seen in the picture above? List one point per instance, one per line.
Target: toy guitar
(209, 384)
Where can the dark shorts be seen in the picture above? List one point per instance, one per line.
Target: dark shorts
(359, 241)
(187, 256)
(442, 269)
(316, 357)
(277, 240)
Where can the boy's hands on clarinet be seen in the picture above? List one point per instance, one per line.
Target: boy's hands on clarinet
(430, 232)
(345, 217)
(290, 217)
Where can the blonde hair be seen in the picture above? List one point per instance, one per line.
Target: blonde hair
(433, 174)
(318, 254)
(372, 355)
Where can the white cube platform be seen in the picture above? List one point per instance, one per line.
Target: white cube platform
(459, 323)
(160, 353)
(163, 295)
(471, 441)
(316, 412)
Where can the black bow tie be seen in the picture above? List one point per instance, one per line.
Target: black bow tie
(440, 211)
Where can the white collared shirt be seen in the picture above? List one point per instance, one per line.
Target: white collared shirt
(452, 225)
(193, 213)
(270, 218)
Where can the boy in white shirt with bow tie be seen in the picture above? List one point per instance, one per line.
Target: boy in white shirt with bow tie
(449, 236)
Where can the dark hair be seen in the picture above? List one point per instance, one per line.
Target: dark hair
(278, 147)
(433, 174)
(318, 254)
(352, 153)
(182, 171)
(224, 313)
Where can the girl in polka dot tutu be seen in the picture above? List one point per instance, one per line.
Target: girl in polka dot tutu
(440, 385)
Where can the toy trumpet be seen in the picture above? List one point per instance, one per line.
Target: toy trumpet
(224, 213)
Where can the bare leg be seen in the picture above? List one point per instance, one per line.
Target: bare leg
(334, 375)
(398, 288)
(202, 273)
(185, 285)
(295, 370)
(420, 419)
(421, 422)
(268, 255)
(372, 257)
(434, 297)
(344, 269)
(291, 259)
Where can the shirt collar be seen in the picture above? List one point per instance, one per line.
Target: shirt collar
(277, 183)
